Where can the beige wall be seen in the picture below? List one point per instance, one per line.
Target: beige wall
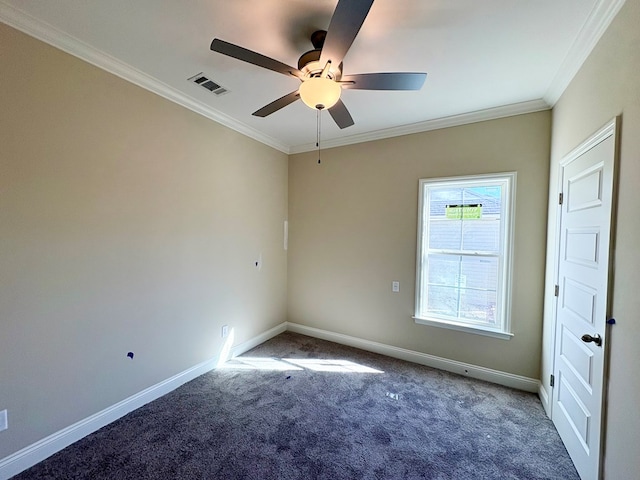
(130, 223)
(126, 223)
(608, 85)
(352, 227)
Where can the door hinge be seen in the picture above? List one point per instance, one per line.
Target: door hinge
(552, 380)
(560, 198)
(556, 291)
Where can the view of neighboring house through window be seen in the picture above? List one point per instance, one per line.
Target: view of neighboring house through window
(464, 253)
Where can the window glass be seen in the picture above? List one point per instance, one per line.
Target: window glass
(464, 252)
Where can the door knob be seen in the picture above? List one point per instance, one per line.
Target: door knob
(597, 339)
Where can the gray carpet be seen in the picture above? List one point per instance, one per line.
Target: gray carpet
(300, 408)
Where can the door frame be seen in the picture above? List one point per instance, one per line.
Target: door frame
(611, 128)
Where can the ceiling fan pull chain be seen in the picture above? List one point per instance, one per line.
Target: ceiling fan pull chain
(318, 133)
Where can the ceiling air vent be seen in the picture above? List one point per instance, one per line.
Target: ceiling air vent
(206, 82)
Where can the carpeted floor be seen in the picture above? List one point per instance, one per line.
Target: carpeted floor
(300, 408)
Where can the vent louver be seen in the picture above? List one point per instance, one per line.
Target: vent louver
(206, 82)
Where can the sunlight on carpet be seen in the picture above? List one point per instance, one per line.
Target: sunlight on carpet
(284, 364)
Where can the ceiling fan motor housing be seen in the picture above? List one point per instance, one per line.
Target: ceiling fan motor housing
(309, 62)
(310, 65)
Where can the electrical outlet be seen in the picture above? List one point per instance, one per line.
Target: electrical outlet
(225, 331)
(395, 286)
(4, 424)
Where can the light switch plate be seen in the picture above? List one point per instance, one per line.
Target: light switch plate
(395, 286)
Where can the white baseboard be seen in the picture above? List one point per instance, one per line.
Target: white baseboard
(36, 452)
(257, 340)
(29, 456)
(544, 399)
(482, 373)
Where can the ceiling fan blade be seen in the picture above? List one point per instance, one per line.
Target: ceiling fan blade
(341, 115)
(384, 81)
(343, 28)
(277, 104)
(254, 58)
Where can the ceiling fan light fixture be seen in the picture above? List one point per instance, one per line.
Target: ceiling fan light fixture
(320, 92)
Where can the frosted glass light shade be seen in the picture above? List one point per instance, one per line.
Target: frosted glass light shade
(319, 92)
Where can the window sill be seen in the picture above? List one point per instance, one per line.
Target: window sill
(477, 330)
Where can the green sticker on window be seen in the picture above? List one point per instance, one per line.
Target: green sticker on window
(464, 212)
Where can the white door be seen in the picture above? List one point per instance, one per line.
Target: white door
(582, 310)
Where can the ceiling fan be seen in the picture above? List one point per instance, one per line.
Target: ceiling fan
(320, 69)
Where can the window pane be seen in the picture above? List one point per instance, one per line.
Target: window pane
(465, 218)
(445, 234)
(463, 287)
(444, 270)
(481, 235)
(442, 301)
(478, 306)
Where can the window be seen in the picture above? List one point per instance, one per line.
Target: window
(465, 232)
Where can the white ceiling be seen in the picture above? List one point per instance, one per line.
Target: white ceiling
(484, 59)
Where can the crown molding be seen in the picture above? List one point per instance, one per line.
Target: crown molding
(601, 16)
(47, 33)
(598, 21)
(435, 124)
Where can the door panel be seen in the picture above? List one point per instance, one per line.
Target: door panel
(582, 246)
(584, 190)
(582, 306)
(579, 299)
(575, 413)
(577, 357)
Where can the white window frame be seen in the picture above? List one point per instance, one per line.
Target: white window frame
(505, 255)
